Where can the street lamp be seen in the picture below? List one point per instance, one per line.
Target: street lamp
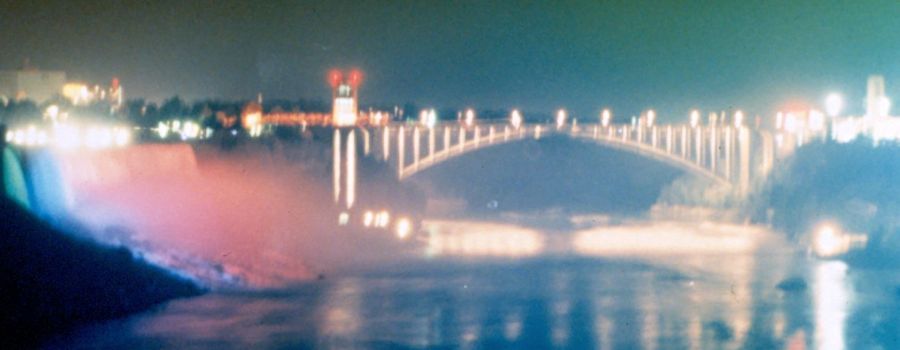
(515, 119)
(470, 118)
(560, 118)
(738, 119)
(428, 118)
(605, 117)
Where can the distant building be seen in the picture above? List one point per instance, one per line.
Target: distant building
(32, 84)
(877, 103)
(80, 94)
(877, 122)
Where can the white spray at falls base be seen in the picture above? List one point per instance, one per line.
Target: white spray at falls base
(242, 218)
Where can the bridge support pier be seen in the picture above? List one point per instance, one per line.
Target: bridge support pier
(446, 149)
(401, 148)
(386, 143)
(728, 152)
(744, 175)
(416, 147)
(698, 145)
(431, 139)
(713, 148)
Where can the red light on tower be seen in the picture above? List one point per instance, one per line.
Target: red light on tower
(355, 78)
(334, 78)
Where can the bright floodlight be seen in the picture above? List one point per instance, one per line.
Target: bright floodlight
(560, 118)
(515, 119)
(428, 118)
(368, 218)
(52, 112)
(738, 119)
(470, 117)
(695, 118)
(834, 103)
(651, 118)
(828, 241)
(403, 229)
(605, 117)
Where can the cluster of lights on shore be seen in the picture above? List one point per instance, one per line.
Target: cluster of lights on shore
(62, 133)
(380, 220)
(184, 130)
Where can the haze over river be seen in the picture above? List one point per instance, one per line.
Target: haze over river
(505, 285)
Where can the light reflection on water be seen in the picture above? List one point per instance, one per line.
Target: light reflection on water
(686, 301)
(831, 299)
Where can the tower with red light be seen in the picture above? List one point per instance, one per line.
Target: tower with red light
(344, 113)
(344, 96)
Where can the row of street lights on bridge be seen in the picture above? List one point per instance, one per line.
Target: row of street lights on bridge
(428, 118)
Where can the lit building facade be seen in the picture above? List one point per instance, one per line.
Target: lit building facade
(345, 99)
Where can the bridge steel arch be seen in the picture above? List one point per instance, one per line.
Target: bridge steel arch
(721, 154)
(724, 154)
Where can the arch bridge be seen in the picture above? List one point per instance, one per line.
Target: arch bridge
(725, 155)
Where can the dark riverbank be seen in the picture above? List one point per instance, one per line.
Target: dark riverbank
(54, 281)
(850, 185)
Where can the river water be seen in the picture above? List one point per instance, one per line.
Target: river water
(496, 285)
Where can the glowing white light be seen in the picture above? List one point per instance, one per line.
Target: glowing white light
(368, 218)
(834, 103)
(560, 118)
(738, 119)
(404, 227)
(481, 239)
(343, 218)
(829, 242)
(163, 130)
(779, 121)
(122, 136)
(9, 135)
(98, 137)
(515, 119)
(52, 112)
(605, 117)
(378, 118)
(651, 118)
(832, 295)
(31, 136)
(19, 137)
(470, 117)
(382, 219)
(188, 130)
(428, 118)
(883, 106)
(695, 118)
(41, 137)
(791, 124)
(345, 112)
(67, 136)
(816, 120)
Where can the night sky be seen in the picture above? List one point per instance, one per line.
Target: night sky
(628, 55)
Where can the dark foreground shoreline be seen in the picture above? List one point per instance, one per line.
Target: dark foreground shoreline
(52, 282)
